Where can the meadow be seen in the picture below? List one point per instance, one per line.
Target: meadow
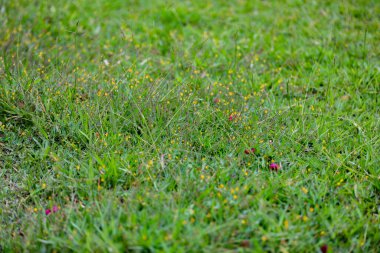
(189, 126)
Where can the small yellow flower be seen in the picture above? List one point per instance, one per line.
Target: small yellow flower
(286, 224)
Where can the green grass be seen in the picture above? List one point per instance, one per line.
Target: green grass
(132, 117)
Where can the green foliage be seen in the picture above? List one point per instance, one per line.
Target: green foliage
(133, 117)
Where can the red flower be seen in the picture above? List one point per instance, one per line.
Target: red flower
(55, 209)
(250, 151)
(47, 211)
(274, 166)
(245, 244)
(324, 248)
(216, 100)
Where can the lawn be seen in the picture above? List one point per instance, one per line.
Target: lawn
(189, 126)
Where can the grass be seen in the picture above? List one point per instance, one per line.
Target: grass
(132, 119)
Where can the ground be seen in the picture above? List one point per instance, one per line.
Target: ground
(189, 126)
